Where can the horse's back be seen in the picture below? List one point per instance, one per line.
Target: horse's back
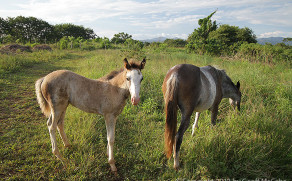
(64, 86)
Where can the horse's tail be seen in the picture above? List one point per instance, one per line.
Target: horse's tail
(170, 98)
(41, 100)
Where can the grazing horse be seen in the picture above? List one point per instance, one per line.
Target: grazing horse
(192, 88)
(105, 96)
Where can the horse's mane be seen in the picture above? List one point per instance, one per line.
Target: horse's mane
(112, 74)
(223, 74)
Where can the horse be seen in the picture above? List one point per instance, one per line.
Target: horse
(191, 88)
(105, 96)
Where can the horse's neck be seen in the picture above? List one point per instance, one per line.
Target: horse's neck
(119, 81)
(227, 89)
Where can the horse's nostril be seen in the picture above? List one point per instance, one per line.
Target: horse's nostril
(135, 100)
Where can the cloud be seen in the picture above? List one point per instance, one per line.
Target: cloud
(275, 34)
(157, 16)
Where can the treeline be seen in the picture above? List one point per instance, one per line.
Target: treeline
(232, 41)
(30, 29)
(208, 39)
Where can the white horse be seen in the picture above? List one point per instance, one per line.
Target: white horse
(105, 96)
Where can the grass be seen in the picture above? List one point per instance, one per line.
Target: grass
(255, 143)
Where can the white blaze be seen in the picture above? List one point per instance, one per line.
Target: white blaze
(135, 77)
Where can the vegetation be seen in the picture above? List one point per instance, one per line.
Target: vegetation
(30, 29)
(252, 144)
(255, 143)
(210, 39)
(225, 40)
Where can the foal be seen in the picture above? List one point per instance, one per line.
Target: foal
(192, 88)
(105, 96)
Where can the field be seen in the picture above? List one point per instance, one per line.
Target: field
(252, 144)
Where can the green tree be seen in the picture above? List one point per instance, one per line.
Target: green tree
(30, 28)
(74, 31)
(4, 29)
(175, 42)
(229, 38)
(120, 38)
(105, 43)
(198, 39)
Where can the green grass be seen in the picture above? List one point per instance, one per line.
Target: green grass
(255, 143)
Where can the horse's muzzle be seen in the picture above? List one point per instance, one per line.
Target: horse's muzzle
(135, 100)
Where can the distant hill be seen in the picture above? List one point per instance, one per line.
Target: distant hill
(272, 40)
(262, 41)
(159, 39)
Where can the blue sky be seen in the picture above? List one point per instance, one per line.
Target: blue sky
(145, 19)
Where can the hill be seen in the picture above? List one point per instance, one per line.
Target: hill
(272, 40)
(262, 41)
(158, 39)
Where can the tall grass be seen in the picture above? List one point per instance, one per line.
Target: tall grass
(18, 61)
(255, 143)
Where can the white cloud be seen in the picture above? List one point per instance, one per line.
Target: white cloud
(153, 18)
(275, 34)
(259, 15)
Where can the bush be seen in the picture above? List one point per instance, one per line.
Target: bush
(264, 53)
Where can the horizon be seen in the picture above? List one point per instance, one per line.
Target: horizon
(145, 19)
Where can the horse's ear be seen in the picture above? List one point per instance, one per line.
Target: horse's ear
(126, 64)
(143, 63)
(238, 85)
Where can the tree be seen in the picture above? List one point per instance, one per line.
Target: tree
(4, 28)
(175, 42)
(30, 28)
(74, 31)
(209, 39)
(229, 38)
(120, 38)
(198, 39)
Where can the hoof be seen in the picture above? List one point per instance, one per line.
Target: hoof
(176, 167)
(115, 173)
(113, 168)
(68, 146)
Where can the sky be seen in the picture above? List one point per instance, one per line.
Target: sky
(146, 19)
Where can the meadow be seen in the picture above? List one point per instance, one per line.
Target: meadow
(254, 143)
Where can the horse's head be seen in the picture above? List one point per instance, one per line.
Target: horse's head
(134, 78)
(235, 99)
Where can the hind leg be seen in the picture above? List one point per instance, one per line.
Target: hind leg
(195, 125)
(52, 126)
(179, 137)
(62, 133)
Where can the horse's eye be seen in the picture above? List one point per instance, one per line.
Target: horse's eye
(128, 78)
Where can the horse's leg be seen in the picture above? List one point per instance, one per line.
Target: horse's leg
(52, 125)
(110, 121)
(185, 121)
(214, 113)
(62, 133)
(195, 125)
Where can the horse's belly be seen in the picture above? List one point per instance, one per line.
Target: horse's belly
(87, 108)
(203, 105)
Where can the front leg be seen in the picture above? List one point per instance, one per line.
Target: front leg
(110, 121)
(214, 113)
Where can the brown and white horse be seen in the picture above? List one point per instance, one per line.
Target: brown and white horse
(192, 88)
(105, 96)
